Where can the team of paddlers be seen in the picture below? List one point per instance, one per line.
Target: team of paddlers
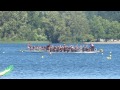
(63, 48)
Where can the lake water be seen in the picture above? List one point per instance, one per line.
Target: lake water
(60, 65)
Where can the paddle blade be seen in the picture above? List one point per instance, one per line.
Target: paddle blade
(7, 70)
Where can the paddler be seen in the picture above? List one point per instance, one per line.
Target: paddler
(29, 46)
(92, 46)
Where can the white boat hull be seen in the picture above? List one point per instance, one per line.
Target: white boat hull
(77, 52)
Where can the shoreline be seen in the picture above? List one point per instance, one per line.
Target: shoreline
(24, 42)
(117, 42)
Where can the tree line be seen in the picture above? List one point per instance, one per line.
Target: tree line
(59, 26)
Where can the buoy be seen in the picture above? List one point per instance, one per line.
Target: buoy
(42, 56)
(110, 52)
(109, 58)
(101, 50)
(50, 53)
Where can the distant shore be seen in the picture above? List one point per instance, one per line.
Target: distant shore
(116, 42)
(24, 42)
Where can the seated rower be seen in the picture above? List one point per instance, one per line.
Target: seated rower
(29, 46)
(92, 47)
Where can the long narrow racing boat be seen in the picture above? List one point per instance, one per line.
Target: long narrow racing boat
(62, 49)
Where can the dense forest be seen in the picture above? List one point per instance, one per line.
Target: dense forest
(59, 26)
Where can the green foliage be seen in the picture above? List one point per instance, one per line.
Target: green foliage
(59, 26)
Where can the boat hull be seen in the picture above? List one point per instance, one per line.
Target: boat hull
(40, 51)
(75, 52)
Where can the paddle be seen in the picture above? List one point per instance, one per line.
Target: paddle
(7, 70)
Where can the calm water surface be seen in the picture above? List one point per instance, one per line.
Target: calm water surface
(60, 65)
